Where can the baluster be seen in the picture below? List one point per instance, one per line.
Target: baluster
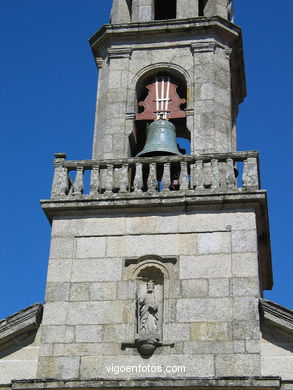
(124, 178)
(250, 177)
(207, 173)
(95, 180)
(198, 175)
(109, 179)
(191, 184)
(77, 187)
(166, 179)
(183, 176)
(138, 182)
(60, 184)
(215, 175)
(230, 174)
(116, 178)
(152, 179)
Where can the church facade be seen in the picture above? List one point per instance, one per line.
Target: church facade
(160, 248)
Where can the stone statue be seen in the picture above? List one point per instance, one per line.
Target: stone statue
(148, 309)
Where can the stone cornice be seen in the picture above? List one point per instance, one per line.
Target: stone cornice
(149, 34)
(206, 46)
(21, 322)
(119, 52)
(278, 315)
(251, 383)
(202, 25)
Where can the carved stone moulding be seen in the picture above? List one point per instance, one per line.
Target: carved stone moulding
(150, 277)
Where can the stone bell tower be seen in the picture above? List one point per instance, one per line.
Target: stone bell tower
(196, 47)
(159, 261)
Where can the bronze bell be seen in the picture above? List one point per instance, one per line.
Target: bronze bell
(160, 140)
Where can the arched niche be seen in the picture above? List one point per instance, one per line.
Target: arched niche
(150, 276)
(161, 73)
(149, 303)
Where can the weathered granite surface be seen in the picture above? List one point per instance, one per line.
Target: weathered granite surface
(19, 344)
(277, 340)
(207, 58)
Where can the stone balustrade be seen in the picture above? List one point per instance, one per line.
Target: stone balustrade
(206, 173)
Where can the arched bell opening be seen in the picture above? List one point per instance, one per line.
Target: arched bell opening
(160, 95)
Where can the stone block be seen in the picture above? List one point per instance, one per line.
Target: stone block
(245, 308)
(207, 91)
(100, 225)
(170, 310)
(46, 350)
(245, 265)
(91, 349)
(173, 288)
(246, 287)
(128, 311)
(115, 246)
(239, 346)
(187, 9)
(210, 331)
(142, 225)
(246, 330)
(53, 334)
(253, 346)
(157, 365)
(102, 291)
(194, 288)
(208, 266)
(59, 270)
(70, 334)
(58, 367)
(117, 333)
(200, 221)
(177, 332)
(126, 289)
(59, 349)
(238, 365)
(118, 145)
(187, 244)
(57, 292)
(88, 333)
(115, 79)
(96, 270)
(55, 313)
(162, 245)
(95, 312)
(87, 349)
(79, 292)
(219, 287)
(204, 309)
(244, 241)
(214, 243)
(222, 78)
(61, 248)
(152, 224)
(208, 347)
(145, 14)
(90, 247)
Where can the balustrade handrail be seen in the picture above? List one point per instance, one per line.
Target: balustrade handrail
(202, 172)
(88, 164)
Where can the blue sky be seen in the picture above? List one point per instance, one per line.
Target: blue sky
(47, 102)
